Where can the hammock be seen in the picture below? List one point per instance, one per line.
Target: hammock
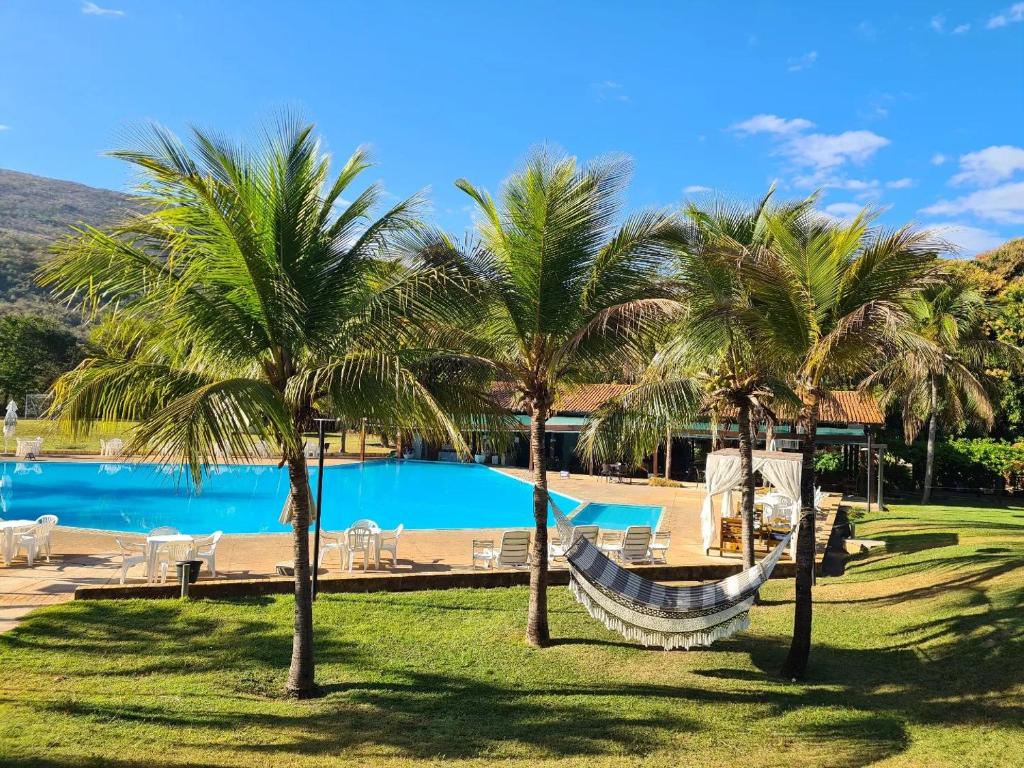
(653, 614)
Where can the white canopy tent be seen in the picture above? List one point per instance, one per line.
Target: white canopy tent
(723, 475)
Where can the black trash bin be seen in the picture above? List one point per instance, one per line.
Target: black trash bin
(193, 567)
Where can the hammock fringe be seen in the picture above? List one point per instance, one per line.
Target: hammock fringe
(652, 638)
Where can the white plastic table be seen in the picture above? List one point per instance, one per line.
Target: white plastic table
(9, 528)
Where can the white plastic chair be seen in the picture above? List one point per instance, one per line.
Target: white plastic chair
(132, 553)
(44, 527)
(332, 541)
(28, 447)
(635, 545)
(165, 530)
(588, 532)
(513, 553)
(388, 542)
(27, 539)
(112, 447)
(170, 553)
(206, 550)
(359, 538)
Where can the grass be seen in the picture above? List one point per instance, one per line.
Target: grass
(56, 440)
(918, 660)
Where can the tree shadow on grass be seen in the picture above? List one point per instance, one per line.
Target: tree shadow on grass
(917, 542)
(416, 715)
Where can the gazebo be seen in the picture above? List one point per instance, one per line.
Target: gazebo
(723, 476)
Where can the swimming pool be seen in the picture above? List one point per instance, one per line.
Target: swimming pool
(248, 499)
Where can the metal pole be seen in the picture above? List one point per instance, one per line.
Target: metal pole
(881, 465)
(319, 507)
(362, 441)
(869, 474)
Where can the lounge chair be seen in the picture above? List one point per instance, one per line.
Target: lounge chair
(206, 550)
(635, 545)
(513, 553)
(132, 553)
(44, 527)
(556, 549)
(659, 546)
(388, 542)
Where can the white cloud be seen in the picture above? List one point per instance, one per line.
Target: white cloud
(938, 23)
(771, 124)
(824, 151)
(609, 90)
(91, 9)
(990, 165)
(903, 183)
(696, 189)
(5, 127)
(938, 158)
(802, 62)
(969, 240)
(961, 29)
(1011, 15)
(1004, 204)
(842, 211)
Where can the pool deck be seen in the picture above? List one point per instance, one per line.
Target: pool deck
(89, 558)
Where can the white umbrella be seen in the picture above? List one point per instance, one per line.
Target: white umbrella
(10, 422)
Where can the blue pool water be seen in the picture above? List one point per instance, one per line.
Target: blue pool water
(248, 499)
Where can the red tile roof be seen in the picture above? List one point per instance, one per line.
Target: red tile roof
(839, 407)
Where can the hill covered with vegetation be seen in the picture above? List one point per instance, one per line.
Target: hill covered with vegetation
(34, 212)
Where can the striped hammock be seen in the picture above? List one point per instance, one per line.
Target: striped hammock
(653, 614)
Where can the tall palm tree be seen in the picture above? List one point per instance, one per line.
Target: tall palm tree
(562, 295)
(721, 328)
(707, 358)
(946, 380)
(246, 297)
(838, 295)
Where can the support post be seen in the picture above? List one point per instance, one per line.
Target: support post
(881, 465)
(362, 440)
(319, 507)
(868, 491)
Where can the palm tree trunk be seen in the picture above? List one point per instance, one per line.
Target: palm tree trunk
(747, 480)
(933, 429)
(668, 453)
(800, 648)
(537, 619)
(300, 675)
(344, 434)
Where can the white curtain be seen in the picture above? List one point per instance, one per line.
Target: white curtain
(723, 474)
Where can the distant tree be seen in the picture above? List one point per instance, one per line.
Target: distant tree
(946, 379)
(34, 351)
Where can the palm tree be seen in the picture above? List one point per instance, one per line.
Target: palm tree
(721, 328)
(245, 297)
(838, 296)
(945, 380)
(562, 295)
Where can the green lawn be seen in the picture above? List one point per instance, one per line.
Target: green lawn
(918, 660)
(54, 439)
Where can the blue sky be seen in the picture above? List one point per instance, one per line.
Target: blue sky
(917, 107)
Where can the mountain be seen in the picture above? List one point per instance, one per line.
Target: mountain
(34, 212)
